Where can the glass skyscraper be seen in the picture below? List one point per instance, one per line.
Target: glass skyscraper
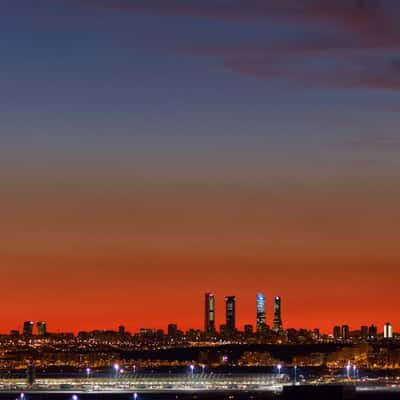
(261, 313)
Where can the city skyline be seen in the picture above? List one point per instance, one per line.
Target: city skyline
(228, 325)
(153, 151)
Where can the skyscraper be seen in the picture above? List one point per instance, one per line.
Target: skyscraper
(28, 328)
(230, 307)
(261, 314)
(337, 332)
(209, 314)
(277, 323)
(172, 330)
(345, 332)
(41, 328)
(364, 332)
(388, 331)
(373, 332)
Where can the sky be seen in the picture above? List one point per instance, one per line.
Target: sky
(155, 150)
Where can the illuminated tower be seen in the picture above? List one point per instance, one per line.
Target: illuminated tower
(277, 323)
(41, 328)
(388, 331)
(230, 307)
(209, 320)
(261, 315)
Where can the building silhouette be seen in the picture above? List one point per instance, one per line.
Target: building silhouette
(41, 327)
(277, 325)
(345, 332)
(337, 332)
(373, 332)
(209, 313)
(28, 328)
(121, 330)
(172, 330)
(364, 332)
(260, 312)
(230, 310)
(248, 329)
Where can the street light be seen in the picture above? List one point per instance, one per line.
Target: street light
(192, 369)
(279, 366)
(355, 371)
(295, 374)
(348, 366)
(203, 367)
(116, 369)
(75, 397)
(135, 396)
(88, 370)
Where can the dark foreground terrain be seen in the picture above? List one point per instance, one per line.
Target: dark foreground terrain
(311, 395)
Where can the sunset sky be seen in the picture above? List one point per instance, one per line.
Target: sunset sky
(154, 150)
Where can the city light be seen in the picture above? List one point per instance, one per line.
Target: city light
(116, 369)
(348, 367)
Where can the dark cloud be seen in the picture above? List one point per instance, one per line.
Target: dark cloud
(373, 142)
(365, 17)
(361, 26)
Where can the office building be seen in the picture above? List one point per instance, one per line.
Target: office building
(41, 327)
(388, 331)
(121, 330)
(373, 332)
(28, 328)
(172, 330)
(248, 329)
(260, 312)
(364, 332)
(337, 332)
(209, 313)
(230, 313)
(277, 322)
(345, 332)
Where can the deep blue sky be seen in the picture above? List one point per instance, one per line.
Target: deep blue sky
(74, 73)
